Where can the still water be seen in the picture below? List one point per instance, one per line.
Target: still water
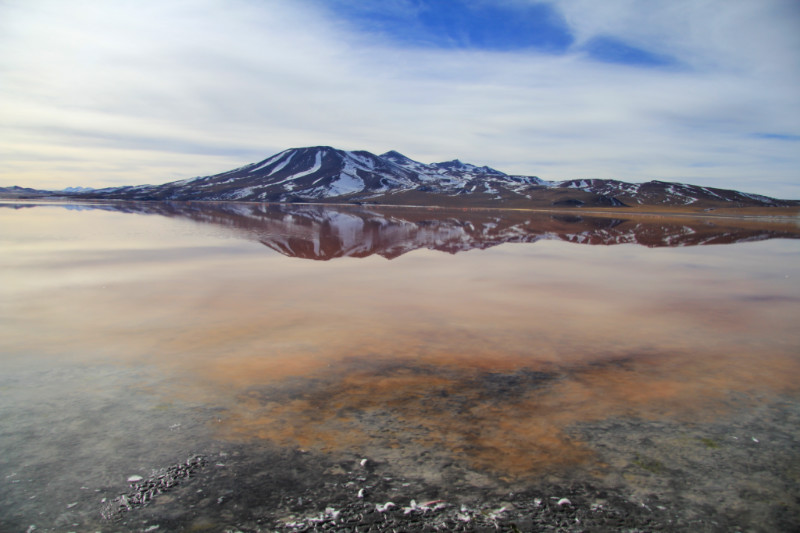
(461, 351)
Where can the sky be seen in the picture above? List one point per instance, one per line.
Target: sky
(126, 92)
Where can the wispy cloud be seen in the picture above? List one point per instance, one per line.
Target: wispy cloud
(611, 50)
(112, 92)
(778, 136)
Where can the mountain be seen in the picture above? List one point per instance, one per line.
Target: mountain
(323, 174)
(23, 192)
(666, 193)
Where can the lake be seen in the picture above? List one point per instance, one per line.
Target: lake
(304, 358)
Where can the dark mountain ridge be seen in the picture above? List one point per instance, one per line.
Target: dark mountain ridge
(322, 174)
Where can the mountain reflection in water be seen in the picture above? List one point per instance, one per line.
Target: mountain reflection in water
(329, 232)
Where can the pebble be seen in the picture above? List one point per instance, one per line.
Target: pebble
(144, 490)
(385, 507)
(532, 514)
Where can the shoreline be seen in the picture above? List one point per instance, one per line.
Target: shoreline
(765, 214)
(719, 477)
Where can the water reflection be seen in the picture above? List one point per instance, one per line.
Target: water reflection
(486, 363)
(329, 232)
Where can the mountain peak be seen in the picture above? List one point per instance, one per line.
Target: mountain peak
(396, 157)
(313, 148)
(454, 164)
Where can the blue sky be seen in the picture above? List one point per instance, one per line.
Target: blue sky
(536, 27)
(458, 24)
(111, 92)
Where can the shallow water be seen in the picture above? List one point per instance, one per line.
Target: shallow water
(461, 348)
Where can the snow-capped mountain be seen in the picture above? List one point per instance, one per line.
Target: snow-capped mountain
(327, 175)
(666, 193)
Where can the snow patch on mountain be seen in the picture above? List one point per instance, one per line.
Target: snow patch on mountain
(242, 193)
(283, 163)
(366, 162)
(268, 162)
(314, 168)
(346, 184)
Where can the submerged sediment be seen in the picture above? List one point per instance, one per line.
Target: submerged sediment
(736, 474)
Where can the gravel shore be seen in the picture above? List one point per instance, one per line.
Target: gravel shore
(738, 473)
(723, 476)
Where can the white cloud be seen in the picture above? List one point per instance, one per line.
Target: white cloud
(107, 92)
(703, 33)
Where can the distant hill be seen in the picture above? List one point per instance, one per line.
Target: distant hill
(23, 192)
(323, 174)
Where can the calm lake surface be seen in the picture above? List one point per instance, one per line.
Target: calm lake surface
(465, 354)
